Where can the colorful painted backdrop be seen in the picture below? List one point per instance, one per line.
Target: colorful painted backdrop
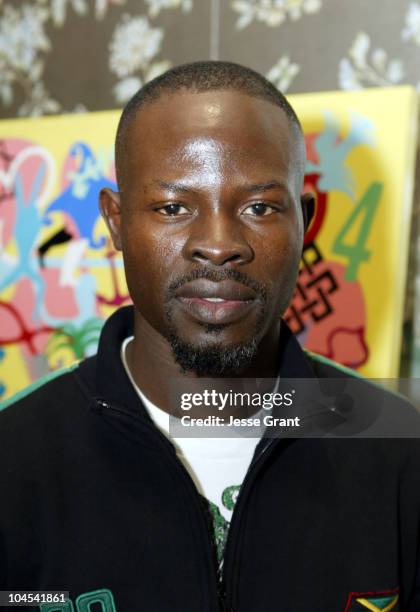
(60, 278)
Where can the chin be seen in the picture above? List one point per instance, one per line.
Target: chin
(214, 357)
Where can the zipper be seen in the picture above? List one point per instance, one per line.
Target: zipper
(230, 555)
(226, 606)
(191, 488)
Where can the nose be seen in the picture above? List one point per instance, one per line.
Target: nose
(218, 240)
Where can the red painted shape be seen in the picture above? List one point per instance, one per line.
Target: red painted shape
(359, 332)
(118, 298)
(25, 335)
(311, 183)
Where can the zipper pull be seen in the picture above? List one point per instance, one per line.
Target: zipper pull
(100, 404)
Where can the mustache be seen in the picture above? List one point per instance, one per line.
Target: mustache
(217, 276)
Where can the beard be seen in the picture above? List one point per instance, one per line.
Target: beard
(215, 359)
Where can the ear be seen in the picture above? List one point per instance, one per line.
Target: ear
(307, 202)
(110, 207)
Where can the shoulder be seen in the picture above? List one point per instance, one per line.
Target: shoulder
(370, 408)
(40, 388)
(325, 367)
(39, 411)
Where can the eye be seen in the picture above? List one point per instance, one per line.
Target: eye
(173, 210)
(260, 209)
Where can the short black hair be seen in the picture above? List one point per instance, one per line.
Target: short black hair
(198, 77)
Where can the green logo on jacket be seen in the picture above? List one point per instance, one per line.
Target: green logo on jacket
(84, 603)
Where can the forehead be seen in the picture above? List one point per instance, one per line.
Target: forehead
(235, 131)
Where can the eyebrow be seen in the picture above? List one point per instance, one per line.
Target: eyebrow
(173, 186)
(253, 188)
(265, 186)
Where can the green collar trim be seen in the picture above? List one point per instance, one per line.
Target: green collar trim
(36, 385)
(330, 362)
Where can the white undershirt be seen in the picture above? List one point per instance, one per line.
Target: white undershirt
(214, 464)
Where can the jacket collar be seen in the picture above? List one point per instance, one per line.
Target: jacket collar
(111, 382)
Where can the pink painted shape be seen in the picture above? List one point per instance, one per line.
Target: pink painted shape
(311, 152)
(9, 325)
(27, 170)
(59, 301)
(9, 147)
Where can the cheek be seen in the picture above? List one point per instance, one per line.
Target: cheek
(148, 260)
(280, 260)
(281, 248)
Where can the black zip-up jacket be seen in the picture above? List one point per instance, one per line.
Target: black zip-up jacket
(94, 501)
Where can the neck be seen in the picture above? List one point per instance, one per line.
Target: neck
(154, 369)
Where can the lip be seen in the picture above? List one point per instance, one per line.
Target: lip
(226, 312)
(227, 290)
(238, 301)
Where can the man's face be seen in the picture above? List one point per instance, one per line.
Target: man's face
(210, 223)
